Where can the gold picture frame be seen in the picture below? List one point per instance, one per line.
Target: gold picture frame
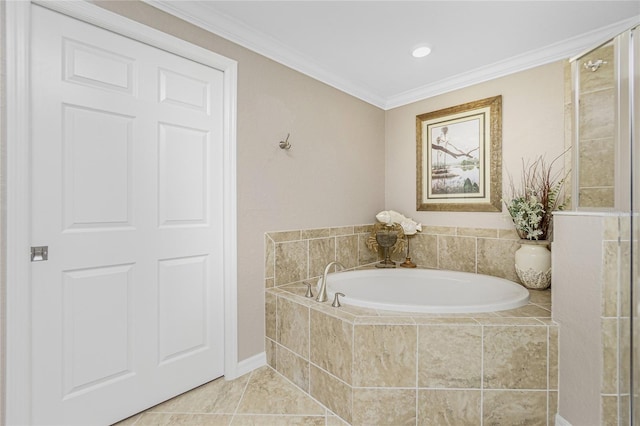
(459, 157)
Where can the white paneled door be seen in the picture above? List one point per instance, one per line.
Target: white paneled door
(127, 193)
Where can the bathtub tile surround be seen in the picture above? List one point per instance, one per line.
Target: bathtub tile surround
(442, 363)
(295, 256)
(335, 394)
(397, 368)
(457, 253)
(424, 250)
(292, 326)
(331, 345)
(515, 357)
(506, 408)
(321, 252)
(380, 367)
(449, 407)
(378, 406)
(553, 366)
(293, 367)
(496, 257)
(292, 261)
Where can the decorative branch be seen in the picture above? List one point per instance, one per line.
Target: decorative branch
(453, 154)
(531, 206)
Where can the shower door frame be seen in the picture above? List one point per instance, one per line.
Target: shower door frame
(626, 203)
(634, 134)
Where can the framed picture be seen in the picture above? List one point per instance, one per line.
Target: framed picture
(459, 157)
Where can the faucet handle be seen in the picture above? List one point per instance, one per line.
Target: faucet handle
(309, 293)
(336, 300)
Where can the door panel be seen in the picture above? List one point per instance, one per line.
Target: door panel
(183, 288)
(183, 163)
(98, 67)
(97, 178)
(127, 194)
(184, 91)
(97, 327)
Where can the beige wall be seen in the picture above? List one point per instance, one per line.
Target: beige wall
(532, 124)
(577, 299)
(332, 176)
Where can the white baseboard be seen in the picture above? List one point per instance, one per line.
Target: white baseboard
(248, 365)
(561, 421)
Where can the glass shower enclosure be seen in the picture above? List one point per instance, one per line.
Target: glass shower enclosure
(605, 139)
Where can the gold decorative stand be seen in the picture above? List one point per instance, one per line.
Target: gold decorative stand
(407, 262)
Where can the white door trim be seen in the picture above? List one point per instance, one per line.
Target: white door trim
(17, 366)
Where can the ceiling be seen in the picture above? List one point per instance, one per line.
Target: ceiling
(364, 47)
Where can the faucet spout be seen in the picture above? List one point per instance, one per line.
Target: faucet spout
(322, 293)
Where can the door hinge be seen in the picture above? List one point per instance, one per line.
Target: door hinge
(40, 253)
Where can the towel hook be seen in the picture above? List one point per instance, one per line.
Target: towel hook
(285, 143)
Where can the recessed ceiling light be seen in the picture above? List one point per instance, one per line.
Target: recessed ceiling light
(421, 52)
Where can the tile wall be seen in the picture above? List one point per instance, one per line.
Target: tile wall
(615, 319)
(294, 256)
(379, 367)
(596, 147)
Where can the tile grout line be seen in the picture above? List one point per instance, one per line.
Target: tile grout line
(307, 394)
(482, 375)
(476, 255)
(277, 415)
(202, 413)
(618, 289)
(273, 261)
(308, 271)
(353, 361)
(277, 336)
(417, 368)
(138, 419)
(549, 375)
(233, 416)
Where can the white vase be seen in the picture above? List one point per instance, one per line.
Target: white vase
(533, 264)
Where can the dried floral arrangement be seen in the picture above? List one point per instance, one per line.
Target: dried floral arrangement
(531, 205)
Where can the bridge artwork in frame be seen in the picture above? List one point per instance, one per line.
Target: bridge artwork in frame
(459, 157)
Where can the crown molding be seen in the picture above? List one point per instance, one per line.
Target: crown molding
(545, 55)
(243, 35)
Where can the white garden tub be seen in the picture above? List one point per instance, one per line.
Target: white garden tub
(426, 290)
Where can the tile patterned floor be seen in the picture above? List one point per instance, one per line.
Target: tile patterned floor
(262, 397)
